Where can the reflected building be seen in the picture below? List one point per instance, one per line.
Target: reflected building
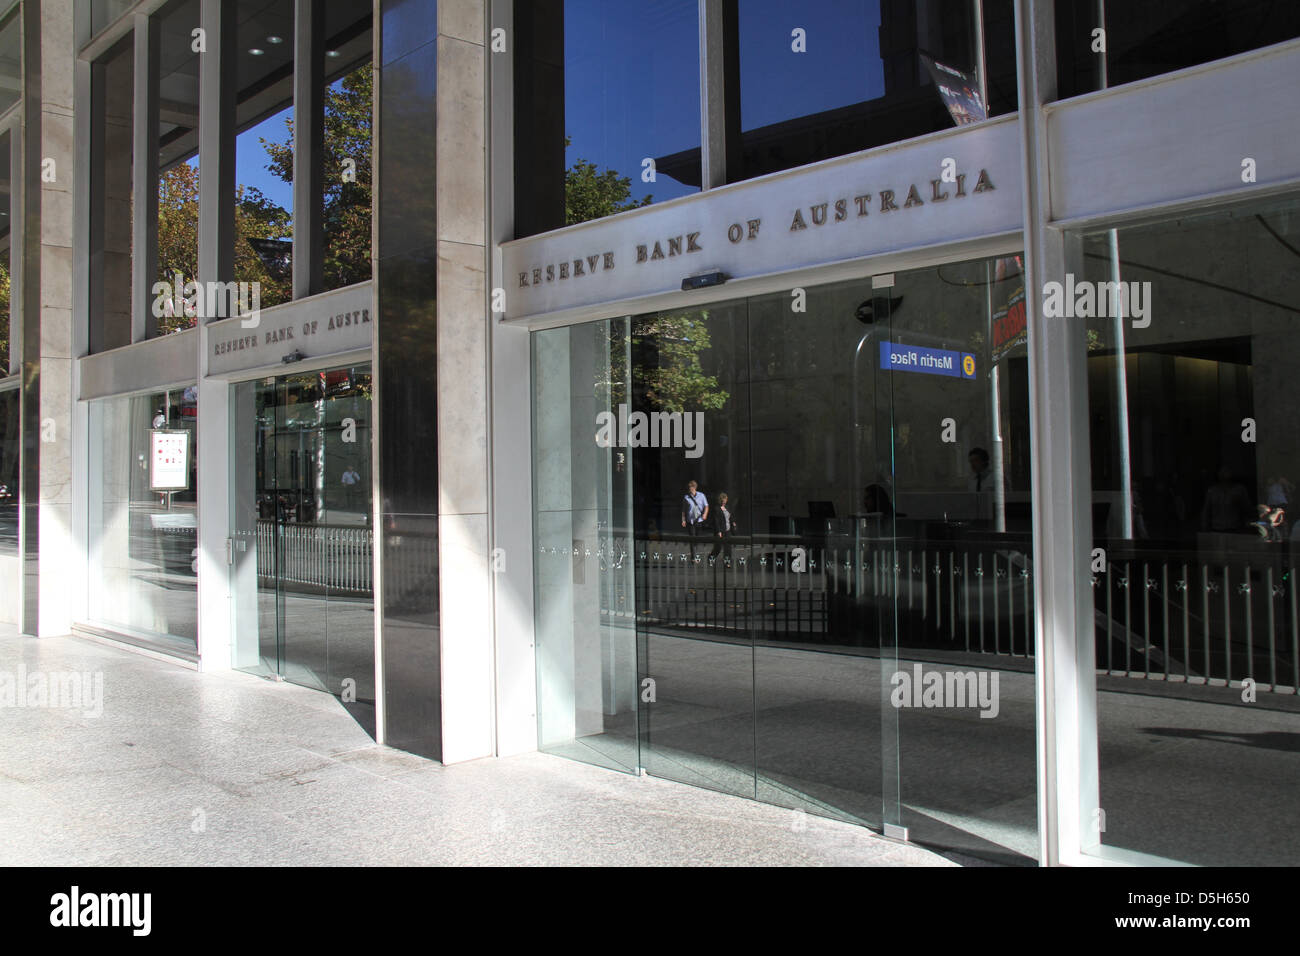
(984, 327)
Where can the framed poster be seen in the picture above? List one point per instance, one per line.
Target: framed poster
(169, 459)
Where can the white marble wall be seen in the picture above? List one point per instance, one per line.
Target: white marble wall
(56, 544)
(465, 586)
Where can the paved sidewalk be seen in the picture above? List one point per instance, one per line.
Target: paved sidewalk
(227, 769)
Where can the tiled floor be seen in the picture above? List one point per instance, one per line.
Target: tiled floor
(228, 769)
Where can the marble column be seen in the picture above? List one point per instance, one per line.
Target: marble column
(47, 306)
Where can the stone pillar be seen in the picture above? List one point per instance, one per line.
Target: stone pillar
(51, 294)
(463, 317)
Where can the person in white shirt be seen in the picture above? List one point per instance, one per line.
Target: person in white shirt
(351, 478)
(695, 512)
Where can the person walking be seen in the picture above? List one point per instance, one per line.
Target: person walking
(695, 513)
(351, 478)
(722, 525)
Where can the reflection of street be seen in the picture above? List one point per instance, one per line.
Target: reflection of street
(161, 586)
(327, 639)
(966, 782)
(8, 527)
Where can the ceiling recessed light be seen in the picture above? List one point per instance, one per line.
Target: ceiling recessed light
(256, 52)
(274, 40)
(331, 52)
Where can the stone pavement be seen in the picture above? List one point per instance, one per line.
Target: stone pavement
(183, 768)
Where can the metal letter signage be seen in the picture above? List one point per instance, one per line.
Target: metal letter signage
(885, 200)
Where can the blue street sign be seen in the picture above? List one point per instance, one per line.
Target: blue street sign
(913, 358)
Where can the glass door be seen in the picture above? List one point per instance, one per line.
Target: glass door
(957, 667)
(811, 509)
(301, 533)
(698, 597)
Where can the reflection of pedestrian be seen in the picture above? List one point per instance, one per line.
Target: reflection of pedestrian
(878, 511)
(695, 512)
(351, 478)
(1115, 518)
(1278, 498)
(722, 524)
(1269, 523)
(981, 476)
(1227, 505)
(875, 501)
(1279, 492)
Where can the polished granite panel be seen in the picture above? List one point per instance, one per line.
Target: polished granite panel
(407, 25)
(539, 116)
(406, 367)
(407, 153)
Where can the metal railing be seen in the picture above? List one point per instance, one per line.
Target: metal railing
(330, 557)
(1177, 617)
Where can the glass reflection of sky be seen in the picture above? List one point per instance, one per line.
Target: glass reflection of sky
(632, 86)
(632, 74)
(841, 66)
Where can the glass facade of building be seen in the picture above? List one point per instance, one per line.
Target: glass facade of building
(301, 531)
(877, 409)
(782, 529)
(143, 516)
(1193, 445)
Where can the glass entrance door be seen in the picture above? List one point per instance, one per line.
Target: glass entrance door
(809, 517)
(301, 534)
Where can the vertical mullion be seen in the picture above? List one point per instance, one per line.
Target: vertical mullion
(1065, 669)
(16, 182)
(95, 217)
(308, 146)
(713, 144)
(217, 144)
(144, 175)
(719, 93)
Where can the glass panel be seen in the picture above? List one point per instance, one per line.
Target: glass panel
(112, 203)
(583, 567)
(11, 62)
(10, 445)
(1147, 39)
(255, 419)
(696, 617)
(1195, 454)
(6, 245)
(264, 148)
(178, 164)
(608, 95)
(829, 77)
(348, 137)
(960, 576)
(816, 523)
(105, 12)
(816, 532)
(302, 534)
(143, 519)
(10, 569)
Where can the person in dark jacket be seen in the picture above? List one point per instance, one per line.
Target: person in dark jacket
(722, 525)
